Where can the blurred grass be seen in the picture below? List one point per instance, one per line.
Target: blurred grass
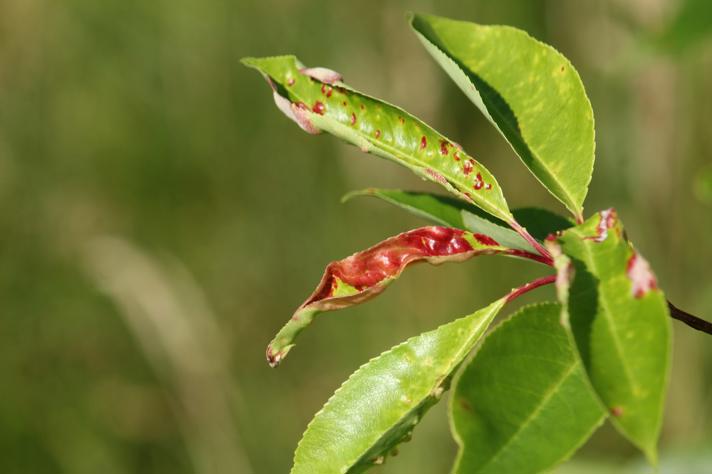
(134, 119)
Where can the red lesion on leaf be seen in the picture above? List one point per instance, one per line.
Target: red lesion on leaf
(423, 142)
(327, 90)
(641, 276)
(353, 118)
(617, 411)
(444, 145)
(365, 271)
(468, 166)
(436, 176)
(319, 108)
(607, 221)
(478, 182)
(485, 239)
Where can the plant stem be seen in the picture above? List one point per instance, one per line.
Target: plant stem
(692, 321)
(517, 292)
(534, 243)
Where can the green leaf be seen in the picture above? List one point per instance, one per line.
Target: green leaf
(445, 210)
(619, 321)
(380, 404)
(529, 91)
(523, 404)
(318, 101)
(366, 274)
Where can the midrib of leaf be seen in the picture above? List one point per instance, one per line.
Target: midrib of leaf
(549, 393)
(415, 161)
(542, 163)
(613, 327)
(467, 347)
(511, 130)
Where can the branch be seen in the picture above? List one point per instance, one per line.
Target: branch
(692, 321)
(517, 292)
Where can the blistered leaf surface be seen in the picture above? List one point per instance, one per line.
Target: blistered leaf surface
(523, 404)
(618, 318)
(317, 104)
(365, 274)
(380, 404)
(528, 90)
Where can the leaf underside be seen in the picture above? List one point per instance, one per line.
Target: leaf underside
(529, 91)
(319, 103)
(445, 210)
(619, 320)
(366, 274)
(380, 404)
(523, 404)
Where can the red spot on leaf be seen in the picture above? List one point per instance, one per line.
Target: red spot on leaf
(617, 411)
(423, 142)
(456, 156)
(467, 166)
(444, 147)
(327, 90)
(642, 278)
(488, 186)
(290, 81)
(478, 182)
(353, 118)
(318, 108)
(607, 221)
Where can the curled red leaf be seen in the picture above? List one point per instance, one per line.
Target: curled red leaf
(365, 274)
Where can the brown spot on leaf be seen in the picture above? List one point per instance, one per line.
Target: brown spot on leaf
(423, 142)
(617, 411)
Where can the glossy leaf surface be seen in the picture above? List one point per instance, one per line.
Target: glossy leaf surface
(528, 90)
(380, 404)
(523, 404)
(619, 320)
(321, 102)
(365, 274)
(445, 210)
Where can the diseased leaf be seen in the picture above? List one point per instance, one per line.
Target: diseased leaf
(451, 212)
(529, 91)
(523, 404)
(619, 321)
(319, 101)
(365, 274)
(380, 404)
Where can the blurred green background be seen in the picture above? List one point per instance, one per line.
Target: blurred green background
(160, 219)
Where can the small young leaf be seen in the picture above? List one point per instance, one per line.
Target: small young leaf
(523, 404)
(619, 321)
(380, 404)
(445, 210)
(529, 91)
(365, 274)
(321, 102)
